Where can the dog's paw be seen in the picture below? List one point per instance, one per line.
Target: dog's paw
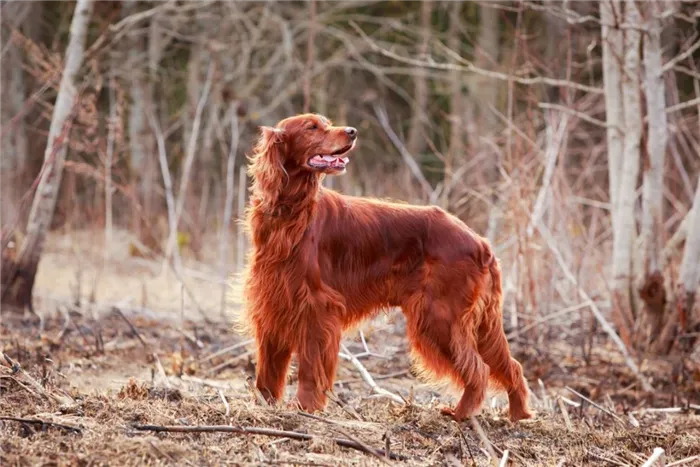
(448, 412)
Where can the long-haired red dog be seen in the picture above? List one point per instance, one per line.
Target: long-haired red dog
(321, 261)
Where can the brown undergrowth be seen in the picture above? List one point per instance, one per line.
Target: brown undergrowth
(74, 394)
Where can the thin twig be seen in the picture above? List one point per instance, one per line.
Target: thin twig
(366, 448)
(407, 157)
(225, 402)
(43, 423)
(577, 114)
(599, 407)
(368, 377)
(19, 383)
(257, 431)
(225, 350)
(17, 368)
(229, 362)
(470, 67)
(346, 408)
(657, 458)
(565, 414)
(684, 461)
(131, 326)
(482, 435)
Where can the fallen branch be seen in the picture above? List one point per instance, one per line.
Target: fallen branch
(34, 421)
(684, 461)
(353, 438)
(263, 432)
(16, 368)
(368, 377)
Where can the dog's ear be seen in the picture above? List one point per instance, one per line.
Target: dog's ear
(270, 144)
(273, 135)
(267, 164)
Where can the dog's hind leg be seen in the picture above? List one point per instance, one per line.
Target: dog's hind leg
(473, 372)
(505, 370)
(446, 350)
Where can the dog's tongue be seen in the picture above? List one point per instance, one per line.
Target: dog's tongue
(333, 161)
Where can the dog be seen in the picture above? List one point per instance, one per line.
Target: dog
(321, 262)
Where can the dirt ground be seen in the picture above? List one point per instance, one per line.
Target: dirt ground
(80, 391)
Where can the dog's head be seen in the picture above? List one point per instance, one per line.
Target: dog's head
(310, 142)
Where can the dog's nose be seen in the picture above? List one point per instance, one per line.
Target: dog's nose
(351, 132)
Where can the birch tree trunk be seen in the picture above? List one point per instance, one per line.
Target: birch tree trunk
(610, 13)
(689, 276)
(485, 93)
(416, 133)
(18, 284)
(455, 150)
(625, 226)
(651, 279)
(14, 142)
(681, 317)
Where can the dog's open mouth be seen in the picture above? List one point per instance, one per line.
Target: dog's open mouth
(334, 160)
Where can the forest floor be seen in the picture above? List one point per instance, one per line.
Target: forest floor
(81, 391)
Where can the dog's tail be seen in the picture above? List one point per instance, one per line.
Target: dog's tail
(489, 295)
(494, 270)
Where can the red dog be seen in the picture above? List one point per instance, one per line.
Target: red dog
(321, 261)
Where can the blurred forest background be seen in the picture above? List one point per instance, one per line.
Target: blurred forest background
(568, 133)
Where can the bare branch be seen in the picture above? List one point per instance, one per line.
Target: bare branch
(470, 67)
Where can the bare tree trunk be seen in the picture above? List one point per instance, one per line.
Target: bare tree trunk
(14, 142)
(689, 275)
(610, 14)
(310, 55)
(18, 285)
(624, 240)
(225, 233)
(681, 316)
(190, 154)
(141, 142)
(651, 280)
(485, 92)
(455, 151)
(416, 133)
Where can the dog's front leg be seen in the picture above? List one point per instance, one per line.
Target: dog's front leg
(318, 359)
(271, 372)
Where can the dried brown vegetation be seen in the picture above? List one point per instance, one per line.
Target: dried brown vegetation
(96, 372)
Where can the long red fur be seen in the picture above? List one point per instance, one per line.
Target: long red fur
(320, 262)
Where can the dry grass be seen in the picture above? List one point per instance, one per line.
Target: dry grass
(94, 372)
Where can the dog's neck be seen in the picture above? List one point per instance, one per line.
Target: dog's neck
(296, 198)
(279, 224)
